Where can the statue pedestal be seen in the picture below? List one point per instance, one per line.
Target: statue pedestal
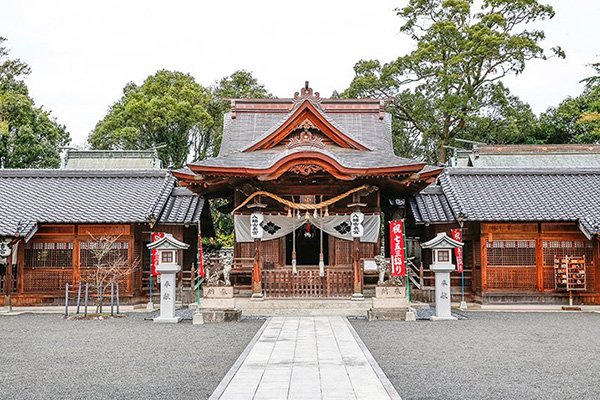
(218, 305)
(389, 303)
(167, 294)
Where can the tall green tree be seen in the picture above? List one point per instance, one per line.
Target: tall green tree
(239, 85)
(441, 88)
(164, 112)
(29, 136)
(574, 120)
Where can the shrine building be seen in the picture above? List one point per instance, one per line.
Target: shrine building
(530, 220)
(51, 220)
(310, 183)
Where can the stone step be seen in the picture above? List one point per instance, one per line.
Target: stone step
(304, 312)
(303, 304)
(305, 307)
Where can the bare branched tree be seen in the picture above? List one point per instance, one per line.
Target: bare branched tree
(109, 264)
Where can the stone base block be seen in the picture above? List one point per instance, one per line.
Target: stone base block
(216, 303)
(410, 316)
(387, 314)
(436, 318)
(257, 297)
(165, 320)
(215, 315)
(358, 297)
(390, 302)
(198, 319)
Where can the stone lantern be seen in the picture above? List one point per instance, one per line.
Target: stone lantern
(442, 246)
(168, 265)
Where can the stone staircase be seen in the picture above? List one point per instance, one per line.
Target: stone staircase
(303, 307)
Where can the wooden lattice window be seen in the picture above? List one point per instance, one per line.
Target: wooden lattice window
(49, 255)
(553, 249)
(511, 253)
(118, 251)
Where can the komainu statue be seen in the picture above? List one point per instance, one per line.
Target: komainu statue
(383, 267)
(218, 265)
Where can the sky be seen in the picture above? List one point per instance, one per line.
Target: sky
(82, 53)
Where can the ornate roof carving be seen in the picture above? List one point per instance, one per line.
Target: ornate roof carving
(305, 169)
(306, 93)
(306, 137)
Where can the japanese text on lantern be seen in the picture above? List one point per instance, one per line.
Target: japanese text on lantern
(397, 248)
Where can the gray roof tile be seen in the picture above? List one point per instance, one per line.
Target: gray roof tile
(430, 206)
(182, 207)
(29, 197)
(479, 194)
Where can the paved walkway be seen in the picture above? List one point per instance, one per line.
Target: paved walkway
(306, 358)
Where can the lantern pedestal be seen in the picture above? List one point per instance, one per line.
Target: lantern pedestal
(443, 311)
(167, 294)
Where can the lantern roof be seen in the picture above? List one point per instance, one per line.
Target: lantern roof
(442, 241)
(168, 242)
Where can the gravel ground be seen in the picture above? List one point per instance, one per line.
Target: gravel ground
(47, 357)
(490, 356)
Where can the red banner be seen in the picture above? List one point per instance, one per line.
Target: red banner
(397, 248)
(456, 234)
(201, 271)
(154, 257)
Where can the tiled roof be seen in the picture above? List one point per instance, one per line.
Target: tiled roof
(30, 197)
(350, 158)
(112, 159)
(182, 207)
(536, 156)
(430, 206)
(480, 194)
(246, 128)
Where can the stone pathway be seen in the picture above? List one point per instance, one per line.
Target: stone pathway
(306, 358)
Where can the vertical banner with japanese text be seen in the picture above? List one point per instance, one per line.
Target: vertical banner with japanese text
(397, 250)
(456, 234)
(154, 255)
(201, 272)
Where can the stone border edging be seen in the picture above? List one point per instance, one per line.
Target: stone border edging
(237, 364)
(389, 388)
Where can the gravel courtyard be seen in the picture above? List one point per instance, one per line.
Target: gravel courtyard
(490, 356)
(45, 357)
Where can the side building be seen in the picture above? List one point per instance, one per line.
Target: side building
(525, 216)
(52, 220)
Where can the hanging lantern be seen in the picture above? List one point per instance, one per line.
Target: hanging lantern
(308, 231)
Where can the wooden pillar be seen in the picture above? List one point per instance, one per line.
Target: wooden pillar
(257, 271)
(21, 267)
(596, 264)
(539, 260)
(130, 259)
(8, 283)
(358, 294)
(484, 261)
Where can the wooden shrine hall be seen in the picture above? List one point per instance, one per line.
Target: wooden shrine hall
(309, 181)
